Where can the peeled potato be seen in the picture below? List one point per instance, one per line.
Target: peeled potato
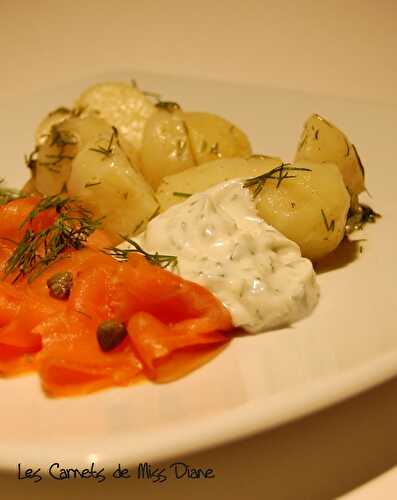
(175, 140)
(122, 105)
(309, 208)
(166, 147)
(212, 137)
(57, 116)
(323, 142)
(176, 188)
(55, 155)
(104, 180)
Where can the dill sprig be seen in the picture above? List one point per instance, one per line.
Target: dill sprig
(107, 151)
(8, 194)
(156, 259)
(279, 174)
(61, 138)
(359, 217)
(329, 226)
(40, 248)
(182, 195)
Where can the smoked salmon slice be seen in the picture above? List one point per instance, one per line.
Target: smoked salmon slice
(171, 325)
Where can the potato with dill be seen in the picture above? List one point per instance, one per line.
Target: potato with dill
(166, 147)
(176, 188)
(121, 105)
(93, 162)
(213, 137)
(175, 140)
(307, 202)
(104, 179)
(322, 142)
(55, 156)
(53, 118)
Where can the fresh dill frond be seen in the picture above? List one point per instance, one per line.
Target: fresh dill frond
(168, 106)
(156, 259)
(182, 195)
(279, 174)
(360, 163)
(357, 218)
(108, 150)
(61, 138)
(92, 184)
(39, 248)
(329, 226)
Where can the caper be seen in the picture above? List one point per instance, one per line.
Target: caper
(60, 284)
(110, 333)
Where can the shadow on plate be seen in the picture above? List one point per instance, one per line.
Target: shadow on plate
(347, 252)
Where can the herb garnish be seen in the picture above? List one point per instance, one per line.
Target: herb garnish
(360, 163)
(329, 226)
(357, 218)
(108, 151)
(156, 259)
(61, 138)
(40, 248)
(91, 184)
(278, 173)
(182, 195)
(168, 106)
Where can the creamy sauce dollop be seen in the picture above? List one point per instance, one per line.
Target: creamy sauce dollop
(222, 244)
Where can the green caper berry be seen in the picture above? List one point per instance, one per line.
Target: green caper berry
(60, 284)
(110, 333)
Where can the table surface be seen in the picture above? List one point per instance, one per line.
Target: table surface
(340, 48)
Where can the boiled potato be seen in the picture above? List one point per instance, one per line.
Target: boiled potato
(176, 188)
(310, 207)
(166, 147)
(323, 142)
(175, 140)
(55, 156)
(122, 105)
(212, 137)
(103, 179)
(54, 118)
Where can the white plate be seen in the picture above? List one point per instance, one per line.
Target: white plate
(348, 345)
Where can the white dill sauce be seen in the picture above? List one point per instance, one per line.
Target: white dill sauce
(221, 243)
